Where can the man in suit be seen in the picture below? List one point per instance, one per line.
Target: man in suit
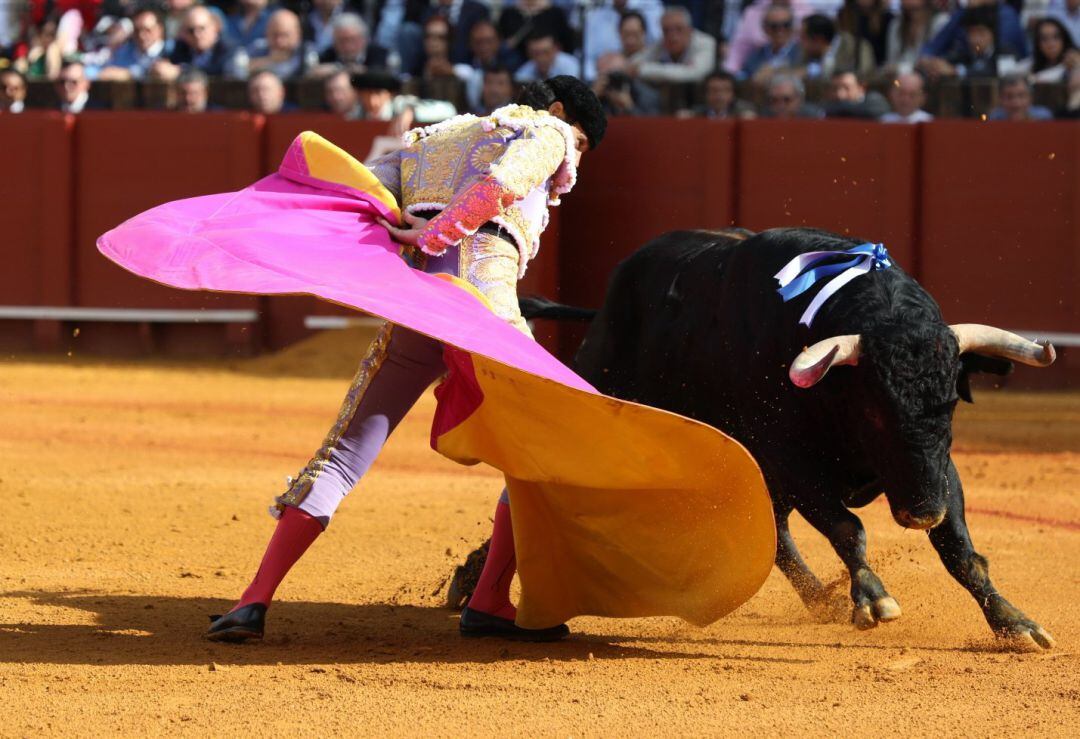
(200, 46)
(546, 60)
(134, 59)
(193, 93)
(73, 89)
(486, 49)
(12, 91)
(848, 98)
(684, 54)
(460, 14)
(351, 48)
(781, 50)
(823, 50)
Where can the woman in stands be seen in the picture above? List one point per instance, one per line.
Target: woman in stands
(1055, 53)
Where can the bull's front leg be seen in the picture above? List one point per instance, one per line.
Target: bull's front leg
(953, 544)
(815, 596)
(844, 530)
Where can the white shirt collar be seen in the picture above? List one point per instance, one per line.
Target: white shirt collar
(78, 105)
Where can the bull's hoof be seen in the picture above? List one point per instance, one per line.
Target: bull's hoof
(1011, 625)
(887, 609)
(1026, 636)
(869, 616)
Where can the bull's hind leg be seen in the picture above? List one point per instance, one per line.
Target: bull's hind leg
(953, 544)
(816, 597)
(844, 530)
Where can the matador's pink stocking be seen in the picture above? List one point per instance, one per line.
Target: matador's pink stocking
(296, 530)
(492, 595)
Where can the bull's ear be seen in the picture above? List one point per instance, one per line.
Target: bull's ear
(971, 363)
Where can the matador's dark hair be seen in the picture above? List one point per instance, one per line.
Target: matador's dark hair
(580, 103)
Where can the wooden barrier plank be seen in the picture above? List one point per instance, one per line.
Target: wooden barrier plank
(856, 178)
(354, 137)
(36, 210)
(36, 193)
(991, 207)
(126, 163)
(649, 176)
(1000, 224)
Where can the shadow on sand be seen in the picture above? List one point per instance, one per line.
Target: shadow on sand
(149, 630)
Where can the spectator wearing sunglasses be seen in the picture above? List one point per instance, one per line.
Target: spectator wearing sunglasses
(780, 52)
(73, 89)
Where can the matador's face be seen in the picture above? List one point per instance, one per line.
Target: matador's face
(582, 142)
(580, 139)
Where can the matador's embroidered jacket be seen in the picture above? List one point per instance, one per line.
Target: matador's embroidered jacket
(506, 168)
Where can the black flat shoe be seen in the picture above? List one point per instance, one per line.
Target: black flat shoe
(238, 626)
(479, 624)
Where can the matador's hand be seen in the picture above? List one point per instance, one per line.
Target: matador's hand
(408, 236)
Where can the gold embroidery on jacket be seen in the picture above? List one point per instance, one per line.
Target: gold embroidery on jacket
(490, 264)
(529, 161)
(523, 153)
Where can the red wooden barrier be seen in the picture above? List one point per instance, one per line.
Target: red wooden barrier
(126, 163)
(984, 214)
(854, 178)
(1001, 229)
(649, 176)
(1001, 223)
(35, 209)
(354, 137)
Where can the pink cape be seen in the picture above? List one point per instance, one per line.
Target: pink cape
(291, 232)
(618, 509)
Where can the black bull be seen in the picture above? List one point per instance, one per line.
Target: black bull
(692, 323)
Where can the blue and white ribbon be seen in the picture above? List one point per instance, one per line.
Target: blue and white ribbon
(806, 270)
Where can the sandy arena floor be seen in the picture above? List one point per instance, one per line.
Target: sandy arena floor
(136, 505)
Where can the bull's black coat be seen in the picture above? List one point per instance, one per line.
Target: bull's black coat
(692, 323)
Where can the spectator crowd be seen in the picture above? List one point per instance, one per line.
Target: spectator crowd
(873, 59)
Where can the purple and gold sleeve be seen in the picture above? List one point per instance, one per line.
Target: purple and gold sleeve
(527, 163)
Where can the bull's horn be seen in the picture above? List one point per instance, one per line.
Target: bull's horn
(975, 337)
(812, 364)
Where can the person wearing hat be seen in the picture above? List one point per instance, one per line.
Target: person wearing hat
(380, 98)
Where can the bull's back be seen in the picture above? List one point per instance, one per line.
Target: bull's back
(650, 342)
(692, 324)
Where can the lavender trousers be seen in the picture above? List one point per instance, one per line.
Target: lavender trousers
(398, 367)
